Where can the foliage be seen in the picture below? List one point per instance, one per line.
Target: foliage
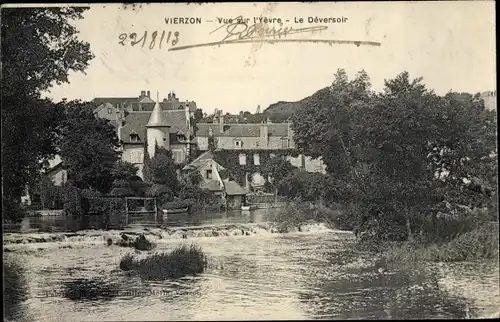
(301, 185)
(229, 159)
(277, 169)
(161, 192)
(88, 148)
(122, 192)
(163, 169)
(146, 171)
(30, 65)
(123, 170)
(15, 286)
(401, 155)
(480, 243)
(73, 201)
(182, 261)
(51, 196)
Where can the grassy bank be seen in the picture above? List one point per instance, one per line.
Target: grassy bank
(182, 261)
(478, 244)
(295, 214)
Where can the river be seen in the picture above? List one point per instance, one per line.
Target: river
(253, 273)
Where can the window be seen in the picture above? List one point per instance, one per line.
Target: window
(109, 110)
(136, 157)
(134, 137)
(237, 143)
(256, 159)
(243, 159)
(284, 143)
(178, 156)
(208, 174)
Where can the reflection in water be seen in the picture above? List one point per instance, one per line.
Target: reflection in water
(307, 275)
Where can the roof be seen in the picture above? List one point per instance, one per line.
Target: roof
(114, 100)
(157, 117)
(147, 104)
(166, 105)
(234, 189)
(136, 121)
(212, 185)
(201, 159)
(242, 130)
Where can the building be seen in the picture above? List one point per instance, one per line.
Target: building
(253, 140)
(230, 191)
(490, 100)
(116, 108)
(141, 122)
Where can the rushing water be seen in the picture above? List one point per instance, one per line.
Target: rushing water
(253, 273)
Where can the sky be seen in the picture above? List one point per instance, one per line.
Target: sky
(450, 44)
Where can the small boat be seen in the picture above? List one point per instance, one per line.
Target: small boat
(175, 211)
(248, 207)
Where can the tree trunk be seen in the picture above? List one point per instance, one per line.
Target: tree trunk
(408, 228)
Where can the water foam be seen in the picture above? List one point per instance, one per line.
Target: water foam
(162, 233)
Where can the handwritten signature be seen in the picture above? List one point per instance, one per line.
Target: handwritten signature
(239, 32)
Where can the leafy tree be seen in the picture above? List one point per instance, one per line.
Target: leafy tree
(30, 65)
(89, 148)
(123, 170)
(302, 185)
(198, 115)
(146, 171)
(401, 154)
(163, 169)
(277, 169)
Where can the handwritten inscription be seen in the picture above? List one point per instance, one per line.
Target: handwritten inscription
(151, 40)
(239, 30)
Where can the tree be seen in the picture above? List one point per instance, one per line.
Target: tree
(31, 64)
(163, 169)
(88, 148)
(123, 170)
(277, 169)
(198, 115)
(401, 154)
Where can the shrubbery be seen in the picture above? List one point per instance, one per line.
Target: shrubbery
(182, 261)
(479, 243)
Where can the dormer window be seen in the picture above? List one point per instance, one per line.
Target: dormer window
(134, 137)
(237, 143)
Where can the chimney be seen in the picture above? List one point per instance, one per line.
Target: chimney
(149, 94)
(221, 122)
(143, 93)
(263, 134)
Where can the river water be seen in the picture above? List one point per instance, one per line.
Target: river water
(253, 273)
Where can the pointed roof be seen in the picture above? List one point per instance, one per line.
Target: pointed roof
(157, 117)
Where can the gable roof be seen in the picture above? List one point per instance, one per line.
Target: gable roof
(234, 189)
(212, 185)
(242, 130)
(136, 121)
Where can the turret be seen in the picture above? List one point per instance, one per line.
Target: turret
(157, 129)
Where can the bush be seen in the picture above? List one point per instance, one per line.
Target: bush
(480, 243)
(180, 262)
(122, 192)
(127, 263)
(161, 192)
